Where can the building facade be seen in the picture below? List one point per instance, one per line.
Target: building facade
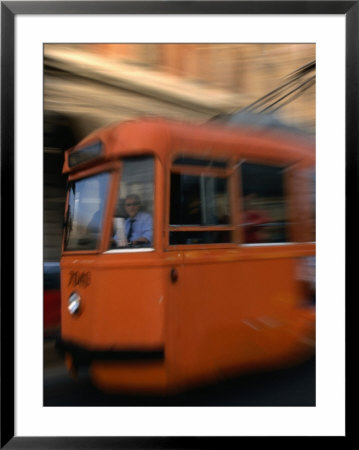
(87, 86)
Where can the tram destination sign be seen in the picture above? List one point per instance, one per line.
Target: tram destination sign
(86, 154)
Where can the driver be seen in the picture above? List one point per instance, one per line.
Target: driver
(138, 225)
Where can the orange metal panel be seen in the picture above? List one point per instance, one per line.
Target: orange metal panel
(166, 138)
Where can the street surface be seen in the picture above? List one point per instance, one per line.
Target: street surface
(294, 386)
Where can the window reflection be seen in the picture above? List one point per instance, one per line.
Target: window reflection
(85, 214)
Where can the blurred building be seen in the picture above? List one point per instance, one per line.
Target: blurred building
(87, 86)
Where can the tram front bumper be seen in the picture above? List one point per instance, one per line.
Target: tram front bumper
(82, 356)
(113, 370)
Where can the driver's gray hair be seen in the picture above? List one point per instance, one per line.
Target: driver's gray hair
(134, 196)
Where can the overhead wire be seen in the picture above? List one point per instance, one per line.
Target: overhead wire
(292, 81)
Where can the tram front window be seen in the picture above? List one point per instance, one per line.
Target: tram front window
(85, 213)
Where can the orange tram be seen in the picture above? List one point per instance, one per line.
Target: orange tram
(217, 279)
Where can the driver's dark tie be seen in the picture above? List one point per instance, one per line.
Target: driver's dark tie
(130, 231)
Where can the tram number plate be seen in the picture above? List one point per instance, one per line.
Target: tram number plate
(82, 279)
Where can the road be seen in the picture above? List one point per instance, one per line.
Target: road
(293, 386)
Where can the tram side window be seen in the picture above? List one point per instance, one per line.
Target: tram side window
(133, 220)
(304, 185)
(263, 203)
(199, 201)
(310, 175)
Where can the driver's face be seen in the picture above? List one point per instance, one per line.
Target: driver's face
(132, 206)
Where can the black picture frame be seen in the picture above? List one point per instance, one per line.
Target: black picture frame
(9, 10)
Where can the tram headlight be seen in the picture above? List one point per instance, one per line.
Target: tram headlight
(74, 303)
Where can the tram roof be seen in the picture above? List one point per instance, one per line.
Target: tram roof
(166, 139)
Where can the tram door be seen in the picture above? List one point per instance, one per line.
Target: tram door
(224, 297)
(199, 226)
